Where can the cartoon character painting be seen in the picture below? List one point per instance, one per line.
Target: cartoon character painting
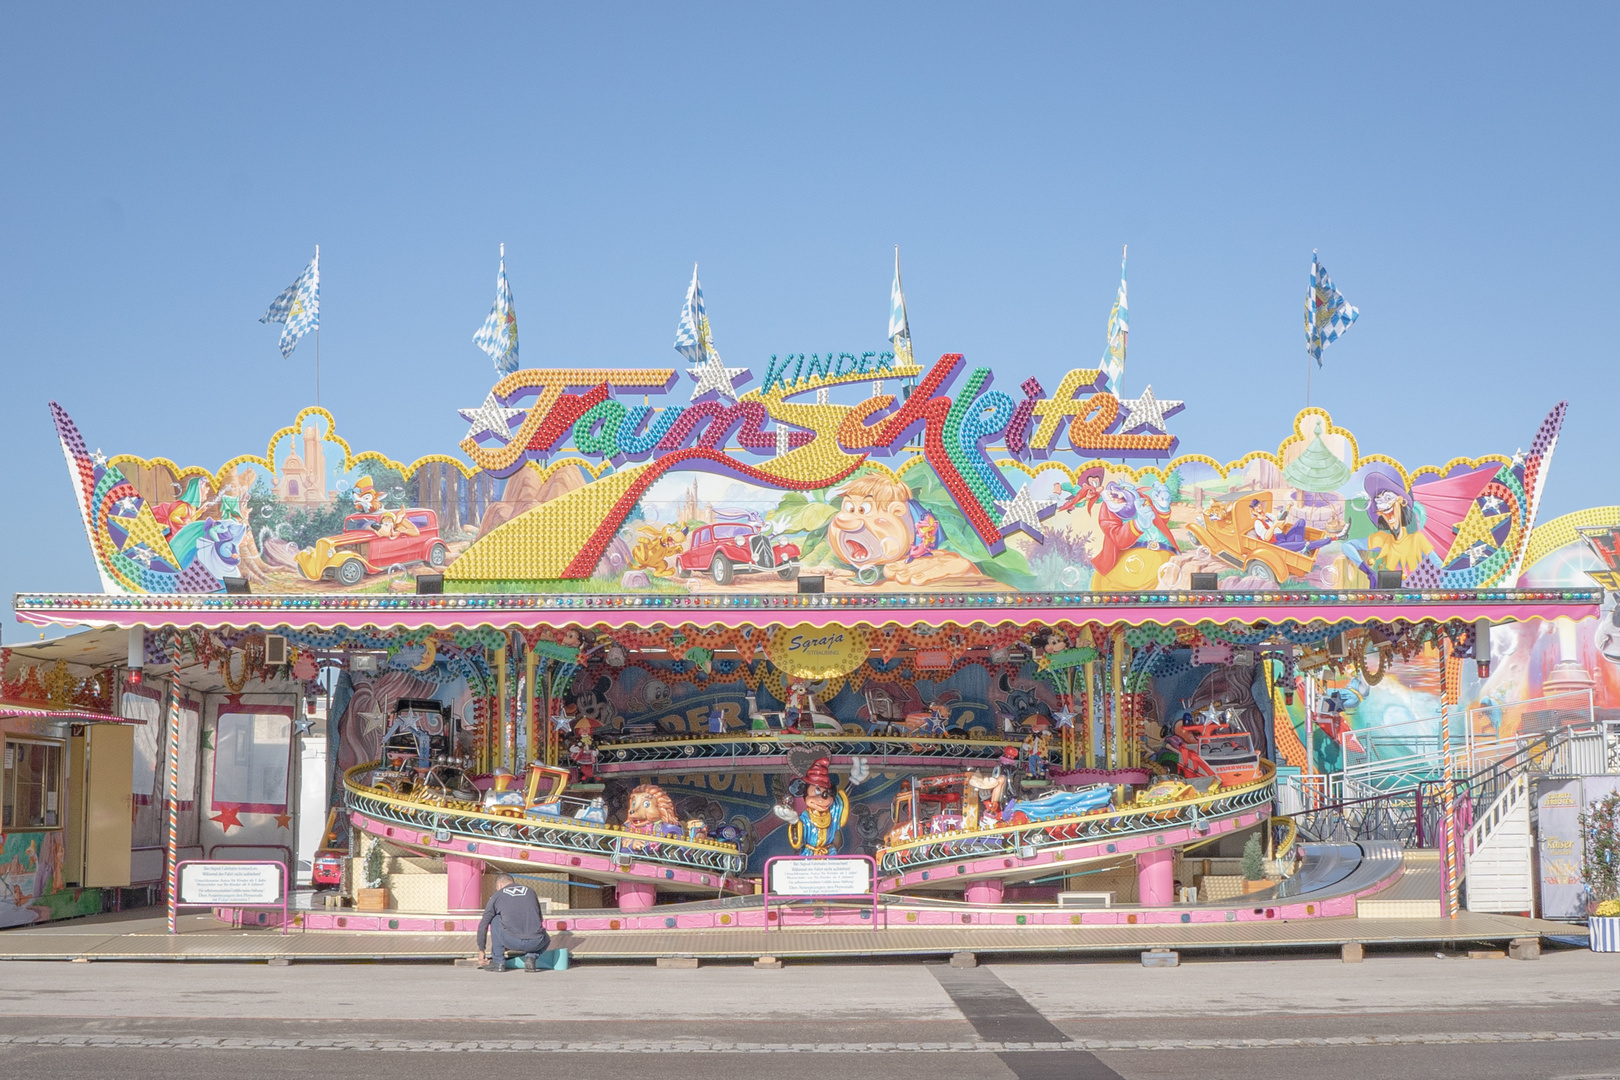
(881, 531)
(1128, 559)
(1398, 541)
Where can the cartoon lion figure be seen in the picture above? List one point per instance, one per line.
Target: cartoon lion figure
(650, 808)
(881, 531)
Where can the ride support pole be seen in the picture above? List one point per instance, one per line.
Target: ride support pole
(1448, 839)
(1116, 653)
(172, 848)
(532, 747)
(499, 726)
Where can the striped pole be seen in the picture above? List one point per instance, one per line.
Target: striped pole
(1448, 843)
(172, 852)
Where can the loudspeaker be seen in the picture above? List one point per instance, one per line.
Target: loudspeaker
(1204, 583)
(275, 649)
(429, 584)
(1388, 579)
(812, 583)
(237, 586)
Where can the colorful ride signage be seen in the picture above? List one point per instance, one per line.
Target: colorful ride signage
(817, 652)
(821, 877)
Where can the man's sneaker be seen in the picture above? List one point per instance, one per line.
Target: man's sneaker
(494, 965)
(531, 962)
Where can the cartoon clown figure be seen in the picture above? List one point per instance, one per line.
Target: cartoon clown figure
(367, 499)
(818, 829)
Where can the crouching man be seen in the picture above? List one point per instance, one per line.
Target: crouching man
(513, 924)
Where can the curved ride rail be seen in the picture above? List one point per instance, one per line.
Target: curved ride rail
(594, 850)
(1037, 843)
(767, 752)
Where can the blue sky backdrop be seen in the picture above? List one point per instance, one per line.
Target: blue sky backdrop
(166, 169)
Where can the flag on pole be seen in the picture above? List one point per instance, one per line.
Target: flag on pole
(1327, 313)
(692, 332)
(298, 306)
(498, 336)
(1119, 329)
(899, 327)
(694, 341)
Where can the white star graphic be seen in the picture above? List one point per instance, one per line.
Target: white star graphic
(141, 554)
(1147, 411)
(1518, 457)
(1064, 718)
(1024, 511)
(126, 506)
(562, 722)
(492, 417)
(713, 375)
(1478, 551)
(98, 457)
(1491, 504)
(1211, 715)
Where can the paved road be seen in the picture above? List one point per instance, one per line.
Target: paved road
(1392, 1016)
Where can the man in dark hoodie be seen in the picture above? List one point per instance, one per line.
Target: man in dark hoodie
(512, 923)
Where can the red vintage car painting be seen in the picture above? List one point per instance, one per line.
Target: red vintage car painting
(724, 551)
(372, 544)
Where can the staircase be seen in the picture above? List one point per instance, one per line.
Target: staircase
(1497, 851)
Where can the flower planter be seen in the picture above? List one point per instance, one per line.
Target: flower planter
(1256, 886)
(1604, 933)
(371, 899)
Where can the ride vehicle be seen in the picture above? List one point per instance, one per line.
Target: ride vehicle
(728, 549)
(1058, 804)
(1226, 529)
(920, 802)
(543, 797)
(1217, 749)
(374, 543)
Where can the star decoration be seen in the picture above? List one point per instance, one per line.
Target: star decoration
(1064, 718)
(284, 821)
(491, 417)
(207, 739)
(1148, 411)
(141, 554)
(1491, 504)
(126, 506)
(1024, 512)
(713, 375)
(303, 726)
(1211, 716)
(1477, 552)
(1518, 458)
(227, 818)
(99, 458)
(562, 722)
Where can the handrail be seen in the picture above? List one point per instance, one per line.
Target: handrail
(951, 847)
(657, 849)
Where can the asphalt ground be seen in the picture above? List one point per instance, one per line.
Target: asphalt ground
(1390, 1016)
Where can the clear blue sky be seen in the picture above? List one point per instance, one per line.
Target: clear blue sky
(166, 170)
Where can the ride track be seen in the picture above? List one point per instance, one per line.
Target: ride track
(606, 853)
(767, 752)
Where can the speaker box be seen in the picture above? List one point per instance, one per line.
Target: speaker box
(1388, 579)
(812, 583)
(429, 584)
(1205, 582)
(237, 586)
(275, 649)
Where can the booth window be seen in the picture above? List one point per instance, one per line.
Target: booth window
(31, 791)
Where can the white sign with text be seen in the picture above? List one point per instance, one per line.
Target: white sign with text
(831, 876)
(230, 883)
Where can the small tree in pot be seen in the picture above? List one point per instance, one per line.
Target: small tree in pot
(1254, 865)
(1600, 871)
(373, 897)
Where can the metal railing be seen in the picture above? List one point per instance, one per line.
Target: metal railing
(617, 845)
(1025, 841)
(757, 751)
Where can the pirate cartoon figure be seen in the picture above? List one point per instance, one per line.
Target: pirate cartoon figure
(818, 829)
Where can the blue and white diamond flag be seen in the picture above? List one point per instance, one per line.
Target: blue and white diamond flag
(899, 326)
(1327, 313)
(692, 333)
(1119, 330)
(298, 306)
(499, 336)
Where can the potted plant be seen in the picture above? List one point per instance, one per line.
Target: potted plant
(373, 897)
(1600, 872)
(1254, 865)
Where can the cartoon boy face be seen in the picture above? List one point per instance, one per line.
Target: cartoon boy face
(818, 799)
(866, 532)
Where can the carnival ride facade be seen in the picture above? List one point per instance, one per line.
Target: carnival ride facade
(599, 671)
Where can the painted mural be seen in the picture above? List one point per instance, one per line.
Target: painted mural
(561, 486)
